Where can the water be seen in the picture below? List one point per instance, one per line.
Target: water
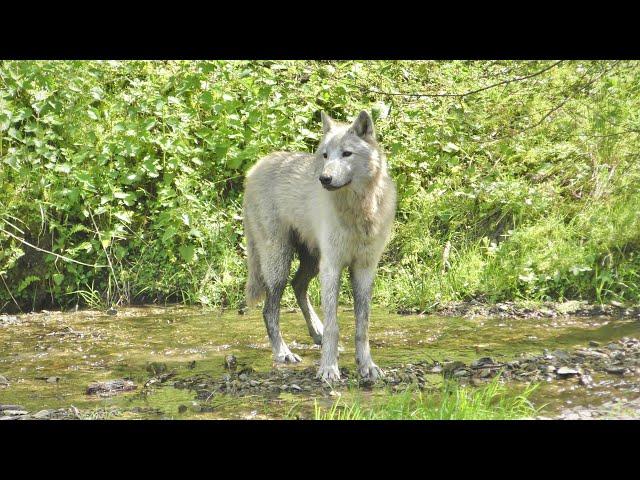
(84, 347)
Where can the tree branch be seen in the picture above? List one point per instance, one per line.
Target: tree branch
(471, 92)
(66, 259)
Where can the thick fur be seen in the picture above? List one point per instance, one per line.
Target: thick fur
(344, 223)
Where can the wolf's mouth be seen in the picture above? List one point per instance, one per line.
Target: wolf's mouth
(331, 188)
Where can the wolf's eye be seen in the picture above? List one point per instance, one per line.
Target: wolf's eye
(324, 154)
(346, 154)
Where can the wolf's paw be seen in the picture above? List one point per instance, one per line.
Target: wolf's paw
(329, 373)
(287, 357)
(370, 371)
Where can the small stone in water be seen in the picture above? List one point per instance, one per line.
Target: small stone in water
(586, 380)
(53, 379)
(593, 343)
(616, 370)
(3, 380)
(566, 372)
(483, 361)
(230, 362)
(14, 412)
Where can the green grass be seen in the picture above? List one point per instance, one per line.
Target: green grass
(452, 402)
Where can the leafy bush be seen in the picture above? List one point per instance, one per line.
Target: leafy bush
(134, 170)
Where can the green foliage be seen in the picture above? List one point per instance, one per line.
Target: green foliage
(453, 402)
(134, 171)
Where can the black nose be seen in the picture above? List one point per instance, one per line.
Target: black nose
(325, 179)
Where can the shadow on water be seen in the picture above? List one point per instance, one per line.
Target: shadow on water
(50, 359)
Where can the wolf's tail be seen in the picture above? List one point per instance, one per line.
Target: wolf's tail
(255, 288)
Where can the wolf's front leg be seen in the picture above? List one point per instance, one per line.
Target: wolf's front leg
(361, 283)
(330, 286)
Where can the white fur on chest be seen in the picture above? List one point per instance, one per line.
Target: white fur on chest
(346, 238)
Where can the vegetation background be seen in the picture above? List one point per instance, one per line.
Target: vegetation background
(517, 180)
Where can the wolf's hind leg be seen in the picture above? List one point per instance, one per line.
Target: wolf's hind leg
(275, 271)
(307, 270)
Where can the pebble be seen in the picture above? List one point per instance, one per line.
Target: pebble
(566, 372)
(3, 380)
(12, 413)
(230, 362)
(615, 370)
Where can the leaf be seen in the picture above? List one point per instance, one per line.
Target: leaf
(186, 252)
(451, 147)
(57, 278)
(63, 168)
(124, 216)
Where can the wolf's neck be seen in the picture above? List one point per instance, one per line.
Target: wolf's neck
(361, 208)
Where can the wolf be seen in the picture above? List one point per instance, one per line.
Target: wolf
(334, 209)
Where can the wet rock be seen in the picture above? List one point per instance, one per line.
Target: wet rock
(182, 408)
(112, 311)
(615, 370)
(14, 413)
(8, 319)
(614, 346)
(564, 372)
(42, 414)
(110, 387)
(586, 380)
(230, 362)
(4, 381)
(561, 355)
(450, 367)
(482, 362)
(191, 365)
(593, 343)
(10, 407)
(53, 379)
(461, 373)
(243, 377)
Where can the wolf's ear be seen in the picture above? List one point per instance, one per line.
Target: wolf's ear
(363, 125)
(327, 122)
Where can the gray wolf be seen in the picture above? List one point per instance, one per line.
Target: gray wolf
(334, 209)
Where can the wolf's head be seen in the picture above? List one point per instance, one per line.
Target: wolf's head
(349, 154)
